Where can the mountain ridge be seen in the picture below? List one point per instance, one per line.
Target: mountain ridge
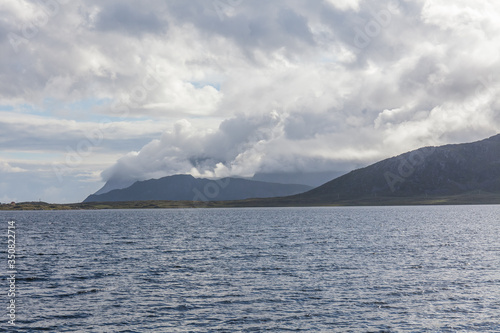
(189, 188)
(447, 170)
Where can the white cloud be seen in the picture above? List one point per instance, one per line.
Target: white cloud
(7, 168)
(20, 131)
(462, 16)
(345, 4)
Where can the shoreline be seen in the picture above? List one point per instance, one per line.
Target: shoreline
(463, 199)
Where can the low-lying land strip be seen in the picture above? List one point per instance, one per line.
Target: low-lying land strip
(471, 198)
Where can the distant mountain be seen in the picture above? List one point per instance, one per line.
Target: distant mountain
(115, 184)
(188, 188)
(312, 179)
(448, 170)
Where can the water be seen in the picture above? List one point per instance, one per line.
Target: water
(386, 269)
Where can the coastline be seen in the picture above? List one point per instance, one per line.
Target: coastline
(474, 198)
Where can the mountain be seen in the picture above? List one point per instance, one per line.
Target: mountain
(428, 172)
(188, 188)
(115, 184)
(313, 179)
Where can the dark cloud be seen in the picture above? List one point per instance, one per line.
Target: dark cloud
(255, 26)
(302, 126)
(133, 20)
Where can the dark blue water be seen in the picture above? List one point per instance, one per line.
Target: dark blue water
(390, 269)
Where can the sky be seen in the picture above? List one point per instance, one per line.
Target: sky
(92, 91)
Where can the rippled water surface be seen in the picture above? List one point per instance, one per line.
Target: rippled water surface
(387, 269)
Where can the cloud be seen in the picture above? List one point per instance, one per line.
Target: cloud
(243, 87)
(6, 168)
(123, 17)
(242, 146)
(49, 134)
(345, 4)
(231, 150)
